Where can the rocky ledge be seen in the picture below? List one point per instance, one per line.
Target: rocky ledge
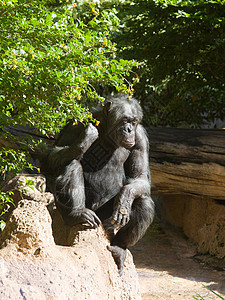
(41, 258)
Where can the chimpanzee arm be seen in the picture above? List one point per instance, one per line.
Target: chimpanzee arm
(138, 178)
(59, 157)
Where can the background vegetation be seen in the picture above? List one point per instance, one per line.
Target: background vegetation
(180, 46)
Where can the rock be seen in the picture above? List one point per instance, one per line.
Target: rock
(31, 187)
(212, 233)
(28, 230)
(202, 220)
(33, 266)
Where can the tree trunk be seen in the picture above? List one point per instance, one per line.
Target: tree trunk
(187, 161)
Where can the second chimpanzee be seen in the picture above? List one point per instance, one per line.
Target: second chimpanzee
(102, 175)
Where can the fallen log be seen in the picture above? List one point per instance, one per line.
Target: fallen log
(182, 161)
(187, 161)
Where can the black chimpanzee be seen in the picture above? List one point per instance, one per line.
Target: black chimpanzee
(102, 175)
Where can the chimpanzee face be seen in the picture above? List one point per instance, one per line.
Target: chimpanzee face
(125, 133)
(122, 118)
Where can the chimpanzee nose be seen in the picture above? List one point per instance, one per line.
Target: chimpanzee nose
(128, 128)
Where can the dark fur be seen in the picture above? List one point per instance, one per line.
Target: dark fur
(103, 175)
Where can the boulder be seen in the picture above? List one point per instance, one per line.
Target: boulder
(202, 220)
(41, 258)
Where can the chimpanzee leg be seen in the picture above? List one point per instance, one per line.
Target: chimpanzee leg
(70, 197)
(141, 217)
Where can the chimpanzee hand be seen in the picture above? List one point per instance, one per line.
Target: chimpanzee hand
(122, 207)
(88, 218)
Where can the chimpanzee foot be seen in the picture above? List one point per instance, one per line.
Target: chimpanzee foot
(119, 255)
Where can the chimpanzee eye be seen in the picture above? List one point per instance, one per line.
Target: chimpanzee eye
(134, 121)
(125, 121)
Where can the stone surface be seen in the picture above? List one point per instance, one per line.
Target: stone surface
(169, 269)
(33, 266)
(31, 187)
(202, 220)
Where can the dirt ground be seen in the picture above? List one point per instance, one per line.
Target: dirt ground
(169, 268)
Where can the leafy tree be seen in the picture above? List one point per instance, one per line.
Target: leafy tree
(52, 67)
(180, 46)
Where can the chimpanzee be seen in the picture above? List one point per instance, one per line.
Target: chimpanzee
(102, 174)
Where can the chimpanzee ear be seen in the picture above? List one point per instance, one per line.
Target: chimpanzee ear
(107, 107)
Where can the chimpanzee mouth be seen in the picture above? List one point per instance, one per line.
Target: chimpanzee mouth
(129, 143)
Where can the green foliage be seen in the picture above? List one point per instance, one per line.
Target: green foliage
(199, 297)
(5, 203)
(53, 66)
(11, 161)
(180, 45)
